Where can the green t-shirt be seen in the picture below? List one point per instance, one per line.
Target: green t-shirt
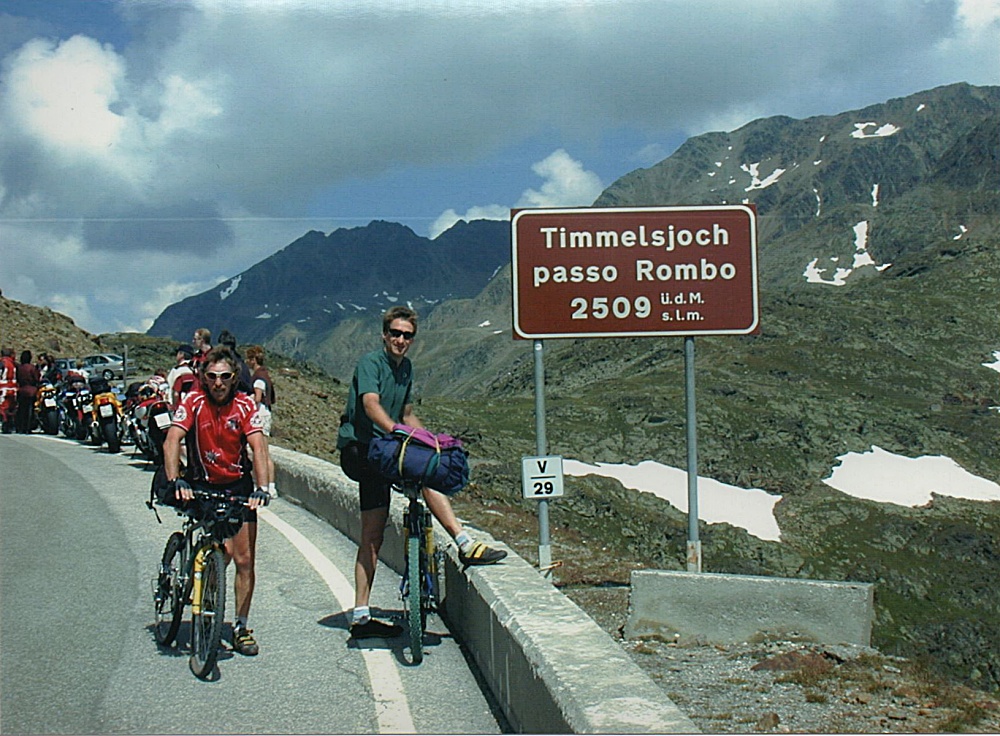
(375, 374)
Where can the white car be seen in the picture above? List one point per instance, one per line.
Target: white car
(107, 365)
(65, 365)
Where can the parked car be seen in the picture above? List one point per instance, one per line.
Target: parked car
(106, 365)
(65, 365)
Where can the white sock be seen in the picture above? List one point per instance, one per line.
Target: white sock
(241, 622)
(463, 540)
(362, 614)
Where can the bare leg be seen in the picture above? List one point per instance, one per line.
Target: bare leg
(372, 533)
(243, 550)
(440, 506)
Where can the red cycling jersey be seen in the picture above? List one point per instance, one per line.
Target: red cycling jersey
(216, 448)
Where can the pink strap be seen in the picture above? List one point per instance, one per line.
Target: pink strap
(426, 437)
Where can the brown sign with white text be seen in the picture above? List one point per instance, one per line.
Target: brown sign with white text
(618, 272)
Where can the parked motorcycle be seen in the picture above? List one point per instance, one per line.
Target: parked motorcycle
(75, 407)
(47, 409)
(150, 419)
(106, 415)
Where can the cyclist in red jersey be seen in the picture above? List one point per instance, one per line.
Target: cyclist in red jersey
(217, 424)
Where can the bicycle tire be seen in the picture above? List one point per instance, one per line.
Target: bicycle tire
(168, 602)
(413, 603)
(206, 625)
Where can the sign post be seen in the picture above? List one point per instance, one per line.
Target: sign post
(635, 272)
(542, 480)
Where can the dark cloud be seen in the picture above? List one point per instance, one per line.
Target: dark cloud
(181, 228)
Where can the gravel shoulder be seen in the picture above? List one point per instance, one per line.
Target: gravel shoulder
(794, 687)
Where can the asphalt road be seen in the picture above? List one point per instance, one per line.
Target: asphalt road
(78, 549)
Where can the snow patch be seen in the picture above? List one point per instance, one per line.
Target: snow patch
(815, 275)
(228, 291)
(962, 231)
(755, 181)
(264, 315)
(883, 131)
(750, 509)
(882, 476)
(995, 365)
(876, 475)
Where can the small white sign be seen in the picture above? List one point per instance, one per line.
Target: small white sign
(542, 477)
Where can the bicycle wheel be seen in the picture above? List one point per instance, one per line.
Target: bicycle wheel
(413, 607)
(168, 599)
(206, 625)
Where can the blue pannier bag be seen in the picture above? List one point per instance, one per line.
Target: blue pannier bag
(437, 461)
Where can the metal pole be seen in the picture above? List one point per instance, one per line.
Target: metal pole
(541, 447)
(694, 543)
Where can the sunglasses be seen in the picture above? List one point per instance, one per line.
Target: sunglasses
(401, 333)
(225, 377)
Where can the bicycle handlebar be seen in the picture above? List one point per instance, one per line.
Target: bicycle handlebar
(226, 496)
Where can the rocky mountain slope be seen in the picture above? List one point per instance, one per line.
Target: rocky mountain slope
(293, 300)
(40, 330)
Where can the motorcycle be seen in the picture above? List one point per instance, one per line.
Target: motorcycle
(47, 409)
(149, 421)
(75, 407)
(105, 415)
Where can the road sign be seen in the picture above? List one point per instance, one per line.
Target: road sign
(634, 271)
(542, 477)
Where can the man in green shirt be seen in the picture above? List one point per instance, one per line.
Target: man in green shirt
(379, 398)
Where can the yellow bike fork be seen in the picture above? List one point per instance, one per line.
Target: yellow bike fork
(198, 568)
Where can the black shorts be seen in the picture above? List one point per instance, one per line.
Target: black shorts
(373, 488)
(241, 489)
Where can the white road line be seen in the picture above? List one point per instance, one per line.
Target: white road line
(391, 706)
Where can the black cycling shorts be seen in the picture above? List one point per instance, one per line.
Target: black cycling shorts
(241, 489)
(373, 488)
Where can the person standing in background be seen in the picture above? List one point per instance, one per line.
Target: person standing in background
(202, 341)
(263, 395)
(181, 378)
(8, 390)
(27, 388)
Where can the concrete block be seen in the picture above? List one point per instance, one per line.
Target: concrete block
(729, 609)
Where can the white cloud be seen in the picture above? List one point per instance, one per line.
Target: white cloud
(281, 110)
(62, 94)
(979, 15)
(566, 184)
(449, 217)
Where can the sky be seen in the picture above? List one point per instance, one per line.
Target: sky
(152, 149)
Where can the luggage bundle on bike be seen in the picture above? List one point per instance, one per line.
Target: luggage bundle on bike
(412, 454)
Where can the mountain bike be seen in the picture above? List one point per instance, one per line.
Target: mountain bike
(193, 570)
(421, 561)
